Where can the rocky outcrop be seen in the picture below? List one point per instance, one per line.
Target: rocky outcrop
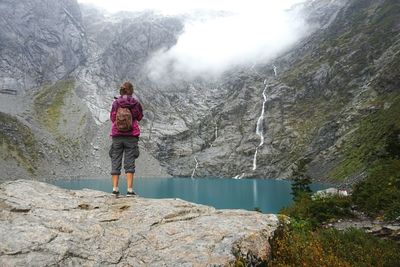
(41, 224)
(382, 229)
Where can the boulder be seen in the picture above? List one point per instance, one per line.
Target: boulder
(41, 225)
(329, 193)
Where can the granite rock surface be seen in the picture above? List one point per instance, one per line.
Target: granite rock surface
(43, 225)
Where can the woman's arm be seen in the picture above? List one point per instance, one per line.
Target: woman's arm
(113, 112)
(137, 111)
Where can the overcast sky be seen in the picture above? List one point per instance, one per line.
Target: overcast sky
(255, 32)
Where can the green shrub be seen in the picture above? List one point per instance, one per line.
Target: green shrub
(379, 193)
(301, 186)
(319, 210)
(296, 245)
(359, 248)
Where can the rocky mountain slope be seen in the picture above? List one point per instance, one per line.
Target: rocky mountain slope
(42, 43)
(331, 102)
(347, 90)
(329, 109)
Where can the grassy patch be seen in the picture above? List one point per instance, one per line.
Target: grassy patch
(307, 118)
(49, 101)
(18, 143)
(379, 194)
(320, 210)
(48, 106)
(370, 141)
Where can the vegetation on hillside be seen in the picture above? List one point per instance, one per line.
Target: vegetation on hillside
(375, 138)
(349, 74)
(48, 103)
(18, 143)
(379, 195)
(360, 50)
(303, 240)
(297, 244)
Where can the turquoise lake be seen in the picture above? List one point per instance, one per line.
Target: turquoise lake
(266, 194)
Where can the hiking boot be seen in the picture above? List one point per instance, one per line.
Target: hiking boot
(131, 194)
(115, 193)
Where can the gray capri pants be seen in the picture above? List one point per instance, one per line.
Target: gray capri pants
(127, 146)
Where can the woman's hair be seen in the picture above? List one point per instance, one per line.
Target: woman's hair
(126, 88)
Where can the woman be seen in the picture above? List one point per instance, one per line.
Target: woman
(125, 114)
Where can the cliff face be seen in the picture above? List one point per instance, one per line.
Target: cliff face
(63, 227)
(328, 110)
(345, 81)
(40, 41)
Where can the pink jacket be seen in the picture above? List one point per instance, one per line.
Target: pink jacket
(137, 114)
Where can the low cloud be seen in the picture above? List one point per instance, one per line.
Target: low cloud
(256, 34)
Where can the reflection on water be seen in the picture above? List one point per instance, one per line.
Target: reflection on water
(268, 195)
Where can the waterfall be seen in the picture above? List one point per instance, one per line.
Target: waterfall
(260, 128)
(255, 160)
(194, 170)
(275, 68)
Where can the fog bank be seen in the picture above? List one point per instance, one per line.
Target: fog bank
(254, 35)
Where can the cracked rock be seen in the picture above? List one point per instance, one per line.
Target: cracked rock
(42, 225)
